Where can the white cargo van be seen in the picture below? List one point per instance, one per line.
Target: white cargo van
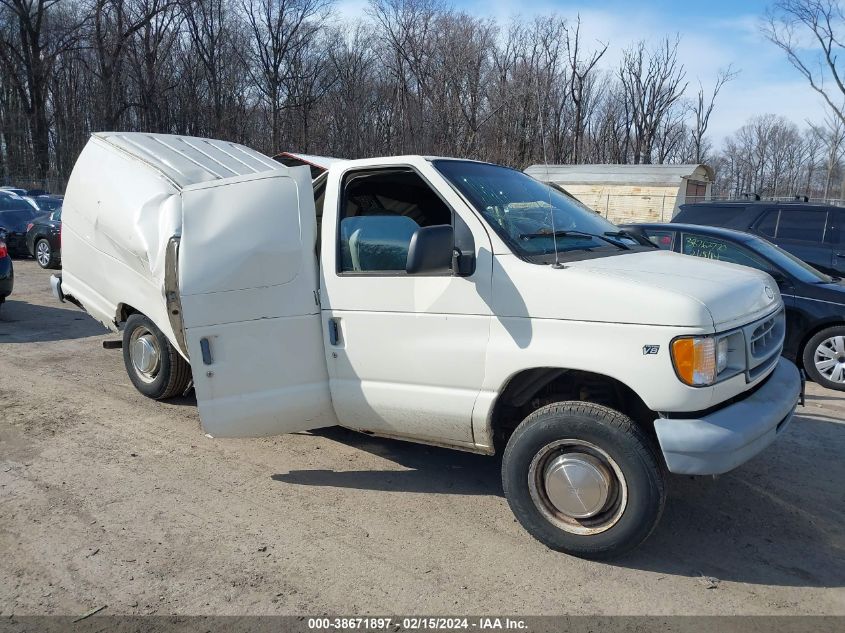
(442, 301)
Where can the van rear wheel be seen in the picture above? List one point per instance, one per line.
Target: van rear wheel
(154, 366)
(584, 479)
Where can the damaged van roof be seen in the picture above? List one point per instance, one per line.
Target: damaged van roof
(188, 160)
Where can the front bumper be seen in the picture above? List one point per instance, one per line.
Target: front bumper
(720, 441)
(56, 287)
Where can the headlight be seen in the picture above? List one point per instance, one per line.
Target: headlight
(695, 359)
(721, 355)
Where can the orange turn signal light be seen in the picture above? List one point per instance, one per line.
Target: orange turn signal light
(695, 360)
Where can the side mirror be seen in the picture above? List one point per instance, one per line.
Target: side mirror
(431, 250)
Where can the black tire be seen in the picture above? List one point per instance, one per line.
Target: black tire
(630, 518)
(809, 358)
(48, 258)
(172, 374)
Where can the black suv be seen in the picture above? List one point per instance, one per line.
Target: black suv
(811, 232)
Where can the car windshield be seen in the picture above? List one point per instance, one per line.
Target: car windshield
(788, 263)
(529, 215)
(48, 204)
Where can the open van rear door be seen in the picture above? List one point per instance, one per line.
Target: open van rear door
(248, 284)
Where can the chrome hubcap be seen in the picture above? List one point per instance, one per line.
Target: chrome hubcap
(42, 253)
(145, 354)
(829, 358)
(577, 486)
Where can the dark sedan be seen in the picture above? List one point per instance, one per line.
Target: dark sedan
(814, 301)
(7, 272)
(44, 239)
(808, 231)
(15, 214)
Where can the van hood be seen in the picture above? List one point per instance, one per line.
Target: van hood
(649, 288)
(732, 294)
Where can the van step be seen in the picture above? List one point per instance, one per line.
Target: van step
(118, 344)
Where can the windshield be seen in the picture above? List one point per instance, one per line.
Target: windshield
(48, 204)
(790, 264)
(530, 215)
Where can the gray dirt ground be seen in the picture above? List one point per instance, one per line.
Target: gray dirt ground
(107, 498)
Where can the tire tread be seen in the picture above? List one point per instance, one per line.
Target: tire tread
(545, 419)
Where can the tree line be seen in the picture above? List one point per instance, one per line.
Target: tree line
(409, 76)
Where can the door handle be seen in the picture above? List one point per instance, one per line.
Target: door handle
(205, 347)
(334, 331)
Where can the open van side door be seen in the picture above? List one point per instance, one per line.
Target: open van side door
(248, 284)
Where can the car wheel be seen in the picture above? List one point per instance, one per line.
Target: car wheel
(584, 479)
(44, 254)
(154, 366)
(824, 358)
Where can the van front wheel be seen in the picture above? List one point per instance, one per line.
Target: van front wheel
(154, 366)
(584, 479)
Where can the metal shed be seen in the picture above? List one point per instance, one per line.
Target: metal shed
(631, 193)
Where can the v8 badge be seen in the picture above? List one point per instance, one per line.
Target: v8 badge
(650, 349)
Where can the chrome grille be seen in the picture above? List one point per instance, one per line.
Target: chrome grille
(764, 339)
(764, 343)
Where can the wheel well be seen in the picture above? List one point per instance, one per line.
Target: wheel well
(531, 389)
(124, 310)
(799, 353)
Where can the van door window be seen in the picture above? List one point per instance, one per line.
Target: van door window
(380, 211)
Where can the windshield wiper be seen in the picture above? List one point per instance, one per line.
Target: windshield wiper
(644, 241)
(567, 233)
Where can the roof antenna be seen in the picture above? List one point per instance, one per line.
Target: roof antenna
(556, 263)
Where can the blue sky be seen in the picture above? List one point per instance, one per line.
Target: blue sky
(713, 34)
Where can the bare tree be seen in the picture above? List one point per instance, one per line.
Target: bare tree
(409, 76)
(581, 85)
(703, 109)
(653, 82)
(280, 30)
(789, 24)
(115, 23)
(33, 34)
(832, 135)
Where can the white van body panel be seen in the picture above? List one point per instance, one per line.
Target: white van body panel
(121, 207)
(412, 349)
(598, 316)
(247, 270)
(117, 217)
(251, 295)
